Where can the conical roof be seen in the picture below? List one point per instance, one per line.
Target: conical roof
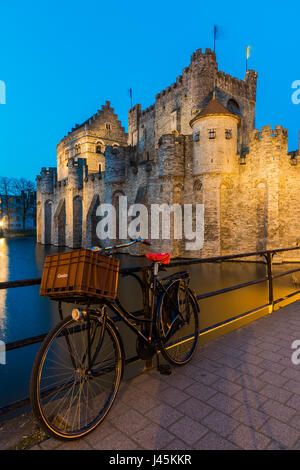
(214, 107)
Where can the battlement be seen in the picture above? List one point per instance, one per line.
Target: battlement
(208, 54)
(236, 86)
(267, 132)
(47, 180)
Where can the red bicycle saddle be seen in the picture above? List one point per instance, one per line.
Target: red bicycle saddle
(163, 258)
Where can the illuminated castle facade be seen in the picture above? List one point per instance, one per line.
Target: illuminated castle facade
(196, 144)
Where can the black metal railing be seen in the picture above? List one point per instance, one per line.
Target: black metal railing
(270, 276)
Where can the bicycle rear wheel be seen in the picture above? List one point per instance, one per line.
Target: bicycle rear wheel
(178, 324)
(67, 398)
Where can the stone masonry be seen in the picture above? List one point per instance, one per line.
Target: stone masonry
(196, 144)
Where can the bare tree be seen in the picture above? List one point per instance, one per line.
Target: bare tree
(6, 189)
(25, 190)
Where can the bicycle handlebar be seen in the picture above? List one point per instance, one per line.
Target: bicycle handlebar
(114, 247)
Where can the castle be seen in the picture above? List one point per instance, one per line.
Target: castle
(196, 144)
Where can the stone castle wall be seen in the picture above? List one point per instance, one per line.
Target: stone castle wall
(249, 184)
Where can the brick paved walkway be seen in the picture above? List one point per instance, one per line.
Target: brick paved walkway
(240, 391)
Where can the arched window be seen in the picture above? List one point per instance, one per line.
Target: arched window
(108, 126)
(99, 148)
(233, 106)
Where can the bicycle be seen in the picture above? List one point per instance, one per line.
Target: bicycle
(77, 371)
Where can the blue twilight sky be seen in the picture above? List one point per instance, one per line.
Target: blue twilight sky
(60, 60)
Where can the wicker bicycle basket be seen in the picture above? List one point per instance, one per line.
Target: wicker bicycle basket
(80, 275)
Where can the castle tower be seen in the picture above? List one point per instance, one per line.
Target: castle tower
(215, 132)
(215, 137)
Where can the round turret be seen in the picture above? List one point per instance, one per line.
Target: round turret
(215, 135)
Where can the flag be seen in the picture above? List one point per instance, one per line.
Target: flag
(248, 51)
(218, 34)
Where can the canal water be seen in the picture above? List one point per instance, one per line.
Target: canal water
(23, 313)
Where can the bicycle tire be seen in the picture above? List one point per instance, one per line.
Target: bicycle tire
(180, 344)
(57, 423)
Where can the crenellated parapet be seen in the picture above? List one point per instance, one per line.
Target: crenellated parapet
(115, 159)
(77, 171)
(46, 181)
(267, 132)
(241, 88)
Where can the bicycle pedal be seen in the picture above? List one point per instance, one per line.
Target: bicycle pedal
(164, 369)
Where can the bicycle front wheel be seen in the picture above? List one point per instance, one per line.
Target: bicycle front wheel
(69, 398)
(178, 324)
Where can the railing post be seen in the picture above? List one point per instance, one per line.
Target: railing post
(269, 258)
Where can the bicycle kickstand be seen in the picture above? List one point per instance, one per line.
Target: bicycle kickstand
(164, 369)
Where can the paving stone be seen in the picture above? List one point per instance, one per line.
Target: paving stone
(130, 422)
(153, 437)
(273, 379)
(49, 444)
(280, 432)
(188, 430)
(292, 373)
(276, 393)
(271, 366)
(181, 381)
(224, 403)
(119, 407)
(195, 409)
(177, 444)
(115, 441)
(210, 366)
(278, 410)
(249, 382)
(152, 386)
(200, 391)
(104, 429)
(293, 386)
(229, 373)
(276, 446)
(294, 402)
(230, 361)
(270, 356)
(249, 439)
(173, 396)
(251, 369)
(213, 441)
(81, 444)
(295, 421)
(250, 398)
(139, 400)
(250, 417)
(270, 346)
(164, 415)
(226, 386)
(220, 423)
(250, 358)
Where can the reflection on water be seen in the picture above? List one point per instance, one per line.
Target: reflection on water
(23, 313)
(4, 275)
